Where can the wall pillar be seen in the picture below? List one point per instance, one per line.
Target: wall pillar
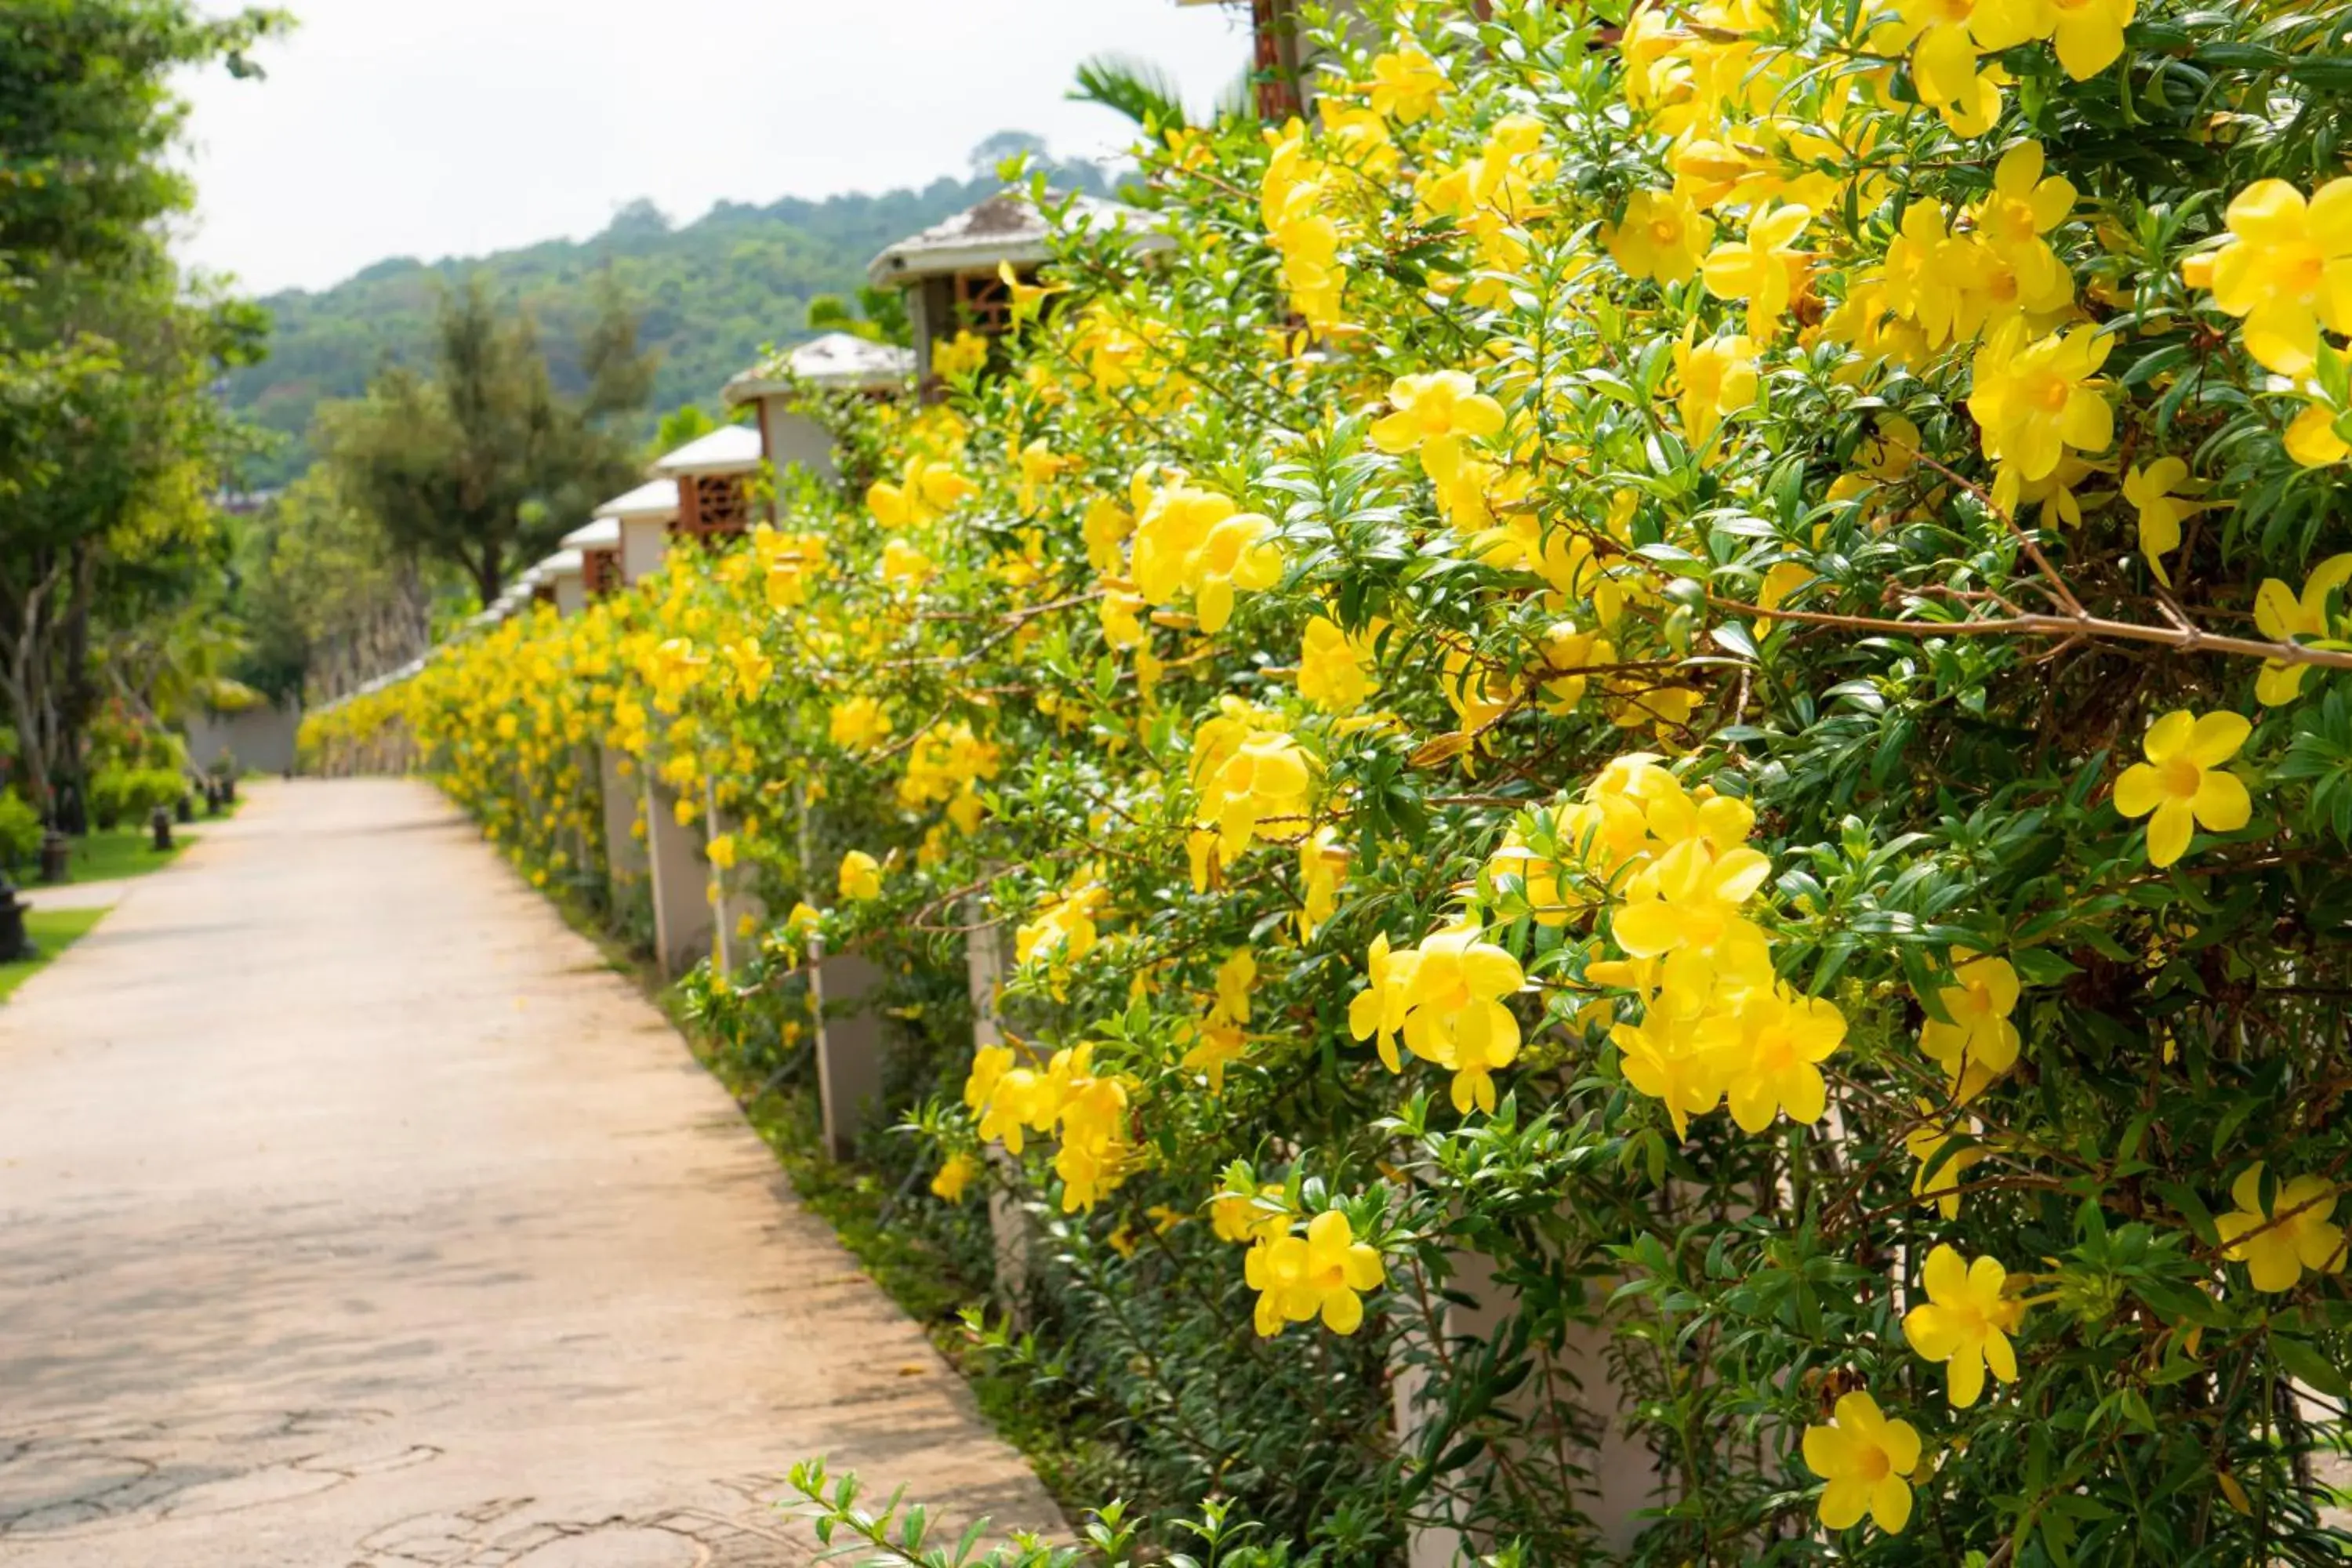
(848, 1044)
(682, 915)
(1008, 1220)
(1621, 1475)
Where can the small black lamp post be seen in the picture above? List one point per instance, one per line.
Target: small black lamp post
(185, 808)
(16, 946)
(57, 851)
(159, 823)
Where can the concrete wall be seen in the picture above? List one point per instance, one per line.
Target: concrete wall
(261, 739)
(792, 438)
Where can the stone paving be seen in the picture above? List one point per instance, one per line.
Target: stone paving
(353, 1214)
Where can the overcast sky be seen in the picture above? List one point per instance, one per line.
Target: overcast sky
(434, 127)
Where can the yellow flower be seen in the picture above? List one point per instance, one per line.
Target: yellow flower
(857, 722)
(1240, 1217)
(2090, 34)
(1240, 552)
(2182, 781)
(903, 562)
(955, 1174)
(2021, 208)
(861, 875)
(1321, 1274)
(2284, 617)
(1866, 1459)
(2310, 438)
(1965, 1322)
(1663, 236)
(1027, 298)
(1216, 1047)
(1378, 1011)
(1783, 1038)
(2034, 400)
(1924, 1144)
(1719, 379)
(1762, 269)
(1331, 672)
(1455, 1014)
(1685, 908)
(2277, 1250)
(1322, 867)
(1433, 413)
(2153, 490)
(2287, 270)
(1265, 776)
(1980, 1043)
(960, 356)
(1676, 1060)
(720, 851)
(1406, 85)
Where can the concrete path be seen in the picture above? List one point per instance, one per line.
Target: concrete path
(79, 895)
(354, 1215)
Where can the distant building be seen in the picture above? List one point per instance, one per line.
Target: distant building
(836, 362)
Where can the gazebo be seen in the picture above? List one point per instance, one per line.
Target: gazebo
(598, 544)
(836, 362)
(951, 273)
(710, 473)
(642, 517)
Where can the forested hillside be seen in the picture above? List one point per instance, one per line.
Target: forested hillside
(712, 293)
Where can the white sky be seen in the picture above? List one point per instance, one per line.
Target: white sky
(434, 127)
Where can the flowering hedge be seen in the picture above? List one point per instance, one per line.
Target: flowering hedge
(1682, 671)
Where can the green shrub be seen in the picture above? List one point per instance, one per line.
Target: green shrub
(127, 795)
(20, 831)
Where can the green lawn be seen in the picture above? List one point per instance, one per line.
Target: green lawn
(54, 931)
(121, 852)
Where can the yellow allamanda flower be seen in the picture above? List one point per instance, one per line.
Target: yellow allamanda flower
(1965, 1322)
(1980, 1041)
(1684, 908)
(1775, 1064)
(860, 876)
(2182, 785)
(1924, 1144)
(1322, 867)
(1190, 541)
(2282, 617)
(1762, 268)
(1717, 379)
(2021, 208)
(1242, 1217)
(1104, 527)
(1064, 931)
(857, 722)
(2160, 492)
(2310, 438)
(2294, 1233)
(720, 850)
(2287, 270)
(1332, 672)
(1377, 1013)
(2034, 399)
(1406, 85)
(955, 1174)
(1214, 1046)
(926, 489)
(1244, 781)
(904, 564)
(1866, 1458)
(1433, 415)
(1680, 1060)
(1322, 1274)
(960, 356)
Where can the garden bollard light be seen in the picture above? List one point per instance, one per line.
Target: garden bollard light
(212, 797)
(159, 822)
(16, 946)
(185, 808)
(57, 851)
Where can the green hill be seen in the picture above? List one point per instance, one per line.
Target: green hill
(711, 293)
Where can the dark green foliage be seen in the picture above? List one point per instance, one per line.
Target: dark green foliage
(714, 293)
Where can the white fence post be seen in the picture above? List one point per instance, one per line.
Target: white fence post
(682, 916)
(1008, 1222)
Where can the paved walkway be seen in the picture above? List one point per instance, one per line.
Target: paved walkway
(352, 1215)
(79, 895)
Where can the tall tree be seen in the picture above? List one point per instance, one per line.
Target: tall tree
(480, 463)
(108, 445)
